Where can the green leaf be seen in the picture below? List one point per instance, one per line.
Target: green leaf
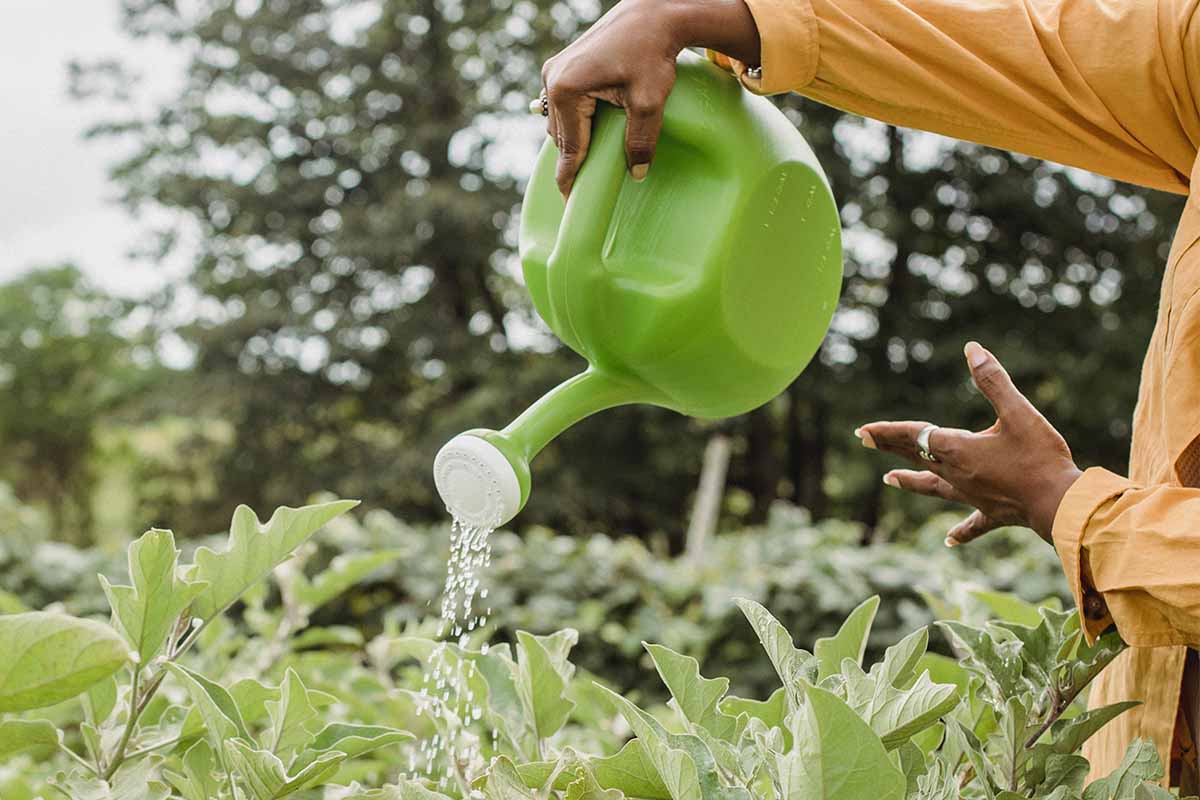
(938, 783)
(251, 696)
(631, 772)
(254, 550)
(587, 786)
(266, 777)
(1069, 771)
(18, 734)
(965, 742)
(541, 680)
(897, 714)
(351, 740)
(222, 719)
(998, 663)
(771, 711)
(899, 665)
(405, 789)
(1141, 764)
(943, 669)
(913, 764)
(836, 756)
(1011, 608)
(99, 701)
(133, 781)
(849, 642)
(294, 721)
(793, 665)
(1090, 660)
(683, 763)
(504, 782)
(345, 571)
(1068, 735)
(146, 613)
(696, 696)
(47, 658)
(11, 604)
(198, 781)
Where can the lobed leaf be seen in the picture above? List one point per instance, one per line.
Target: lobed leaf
(254, 550)
(266, 777)
(793, 665)
(697, 697)
(849, 642)
(146, 612)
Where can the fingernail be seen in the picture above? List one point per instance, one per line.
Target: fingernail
(975, 354)
(638, 172)
(951, 542)
(865, 438)
(890, 480)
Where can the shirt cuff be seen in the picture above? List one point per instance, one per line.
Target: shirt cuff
(787, 30)
(1094, 488)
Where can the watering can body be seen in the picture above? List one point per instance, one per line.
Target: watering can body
(705, 289)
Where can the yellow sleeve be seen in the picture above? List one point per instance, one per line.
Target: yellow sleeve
(1131, 557)
(1098, 84)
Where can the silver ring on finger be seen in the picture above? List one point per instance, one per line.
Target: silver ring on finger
(923, 443)
(541, 105)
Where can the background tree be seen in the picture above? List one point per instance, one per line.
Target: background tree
(64, 371)
(348, 174)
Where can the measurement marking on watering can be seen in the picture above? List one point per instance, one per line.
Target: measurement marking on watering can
(776, 197)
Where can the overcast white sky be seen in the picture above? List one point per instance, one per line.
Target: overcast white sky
(56, 202)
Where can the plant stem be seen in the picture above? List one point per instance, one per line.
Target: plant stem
(134, 712)
(151, 748)
(1061, 704)
(78, 758)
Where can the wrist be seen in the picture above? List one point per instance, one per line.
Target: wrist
(726, 26)
(1048, 497)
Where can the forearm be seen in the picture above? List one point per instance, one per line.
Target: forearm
(726, 26)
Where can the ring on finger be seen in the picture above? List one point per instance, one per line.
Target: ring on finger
(540, 105)
(923, 443)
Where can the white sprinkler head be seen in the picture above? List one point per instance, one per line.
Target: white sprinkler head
(476, 482)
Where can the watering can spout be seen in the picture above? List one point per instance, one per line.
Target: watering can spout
(483, 475)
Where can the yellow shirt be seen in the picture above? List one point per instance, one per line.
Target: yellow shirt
(1110, 86)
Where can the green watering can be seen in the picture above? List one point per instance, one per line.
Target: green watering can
(705, 289)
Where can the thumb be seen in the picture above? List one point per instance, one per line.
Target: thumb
(993, 381)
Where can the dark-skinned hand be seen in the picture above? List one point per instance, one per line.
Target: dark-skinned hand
(628, 59)
(1013, 473)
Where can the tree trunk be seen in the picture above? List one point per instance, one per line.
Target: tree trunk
(706, 511)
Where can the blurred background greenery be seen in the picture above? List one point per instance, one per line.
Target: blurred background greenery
(341, 181)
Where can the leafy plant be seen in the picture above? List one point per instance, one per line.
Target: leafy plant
(212, 683)
(998, 729)
(202, 740)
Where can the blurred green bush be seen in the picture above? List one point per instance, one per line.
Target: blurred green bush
(615, 591)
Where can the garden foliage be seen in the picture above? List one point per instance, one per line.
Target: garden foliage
(177, 697)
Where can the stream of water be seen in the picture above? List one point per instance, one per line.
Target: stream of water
(456, 748)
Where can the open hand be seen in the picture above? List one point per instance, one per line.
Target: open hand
(1014, 472)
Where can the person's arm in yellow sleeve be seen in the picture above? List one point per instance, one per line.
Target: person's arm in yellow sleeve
(1099, 85)
(1132, 556)
(1132, 552)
